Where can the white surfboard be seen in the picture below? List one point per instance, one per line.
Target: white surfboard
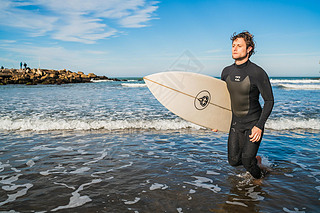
(197, 98)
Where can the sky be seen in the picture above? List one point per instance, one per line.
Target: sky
(134, 38)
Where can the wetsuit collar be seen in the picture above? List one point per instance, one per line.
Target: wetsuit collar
(242, 65)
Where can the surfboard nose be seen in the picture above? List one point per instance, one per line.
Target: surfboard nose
(197, 98)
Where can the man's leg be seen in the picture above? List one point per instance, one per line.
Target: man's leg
(249, 159)
(234, 148)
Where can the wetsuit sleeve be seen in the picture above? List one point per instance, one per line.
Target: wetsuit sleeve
(264, 86)
(223, 74)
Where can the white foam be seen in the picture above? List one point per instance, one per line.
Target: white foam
(293, 123)
(192, 191)
(15, 170)
(22, 192)
(99, 81)
(132, 202)
(236, 203)
(179, 210)
(292, 211)
(2, 166)
(128, 165)
(95, 174)
(254, 195)
(288, 175)
(9, 181)
(295, 81)
(45, 173)
(212, 173)
(30, 124)
(30, 163)
(133, 85)
(10, 186)
(202, 179)
(63, 184)
(80, 171)
(265, 161)
(103, 155)
(158, 186)
(202, 182)
(76, 199)
(301, 86)
(190, 160)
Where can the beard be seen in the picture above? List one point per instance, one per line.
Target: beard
(240, 58)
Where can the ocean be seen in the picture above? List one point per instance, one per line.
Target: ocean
(112, 147)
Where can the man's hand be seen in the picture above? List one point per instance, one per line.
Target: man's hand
(255, 134)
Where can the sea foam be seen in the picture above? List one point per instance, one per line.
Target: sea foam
(133, 85)
(300, 86)
(29, 124)
(293, 123)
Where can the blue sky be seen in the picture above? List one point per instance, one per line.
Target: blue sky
(119, 38)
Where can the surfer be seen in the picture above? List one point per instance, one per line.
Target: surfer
(246, 81)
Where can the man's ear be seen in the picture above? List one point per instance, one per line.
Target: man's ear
(249, 49)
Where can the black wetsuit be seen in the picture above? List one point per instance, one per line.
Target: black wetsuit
(245, 83)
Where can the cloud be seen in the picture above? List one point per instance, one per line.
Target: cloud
(139, 18)
(76, 20)
(36, 24)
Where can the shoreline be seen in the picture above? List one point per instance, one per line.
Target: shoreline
(47, 76)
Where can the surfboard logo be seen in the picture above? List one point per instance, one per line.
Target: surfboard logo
(202, 100)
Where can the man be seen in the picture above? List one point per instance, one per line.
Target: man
(246, 81)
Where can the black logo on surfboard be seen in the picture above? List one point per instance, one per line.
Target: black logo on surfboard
(202, 100)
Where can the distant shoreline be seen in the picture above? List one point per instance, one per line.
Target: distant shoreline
(47, 76)
(35, 76)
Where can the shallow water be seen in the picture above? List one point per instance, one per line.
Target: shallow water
(93, 148)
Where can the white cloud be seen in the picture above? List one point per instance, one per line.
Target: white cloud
(35, 23)
(139, 18)
(76, 20)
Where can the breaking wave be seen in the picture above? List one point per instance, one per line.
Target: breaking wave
(133, 85)
(293, 123)
(295, 81)
(29, 124)
(300, 86)
(297, 84)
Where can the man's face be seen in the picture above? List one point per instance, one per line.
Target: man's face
(239, 49)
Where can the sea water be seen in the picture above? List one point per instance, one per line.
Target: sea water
(112, 147)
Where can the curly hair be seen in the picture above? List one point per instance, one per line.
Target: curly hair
(248, 38)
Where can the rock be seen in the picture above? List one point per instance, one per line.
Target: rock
(45, 76)
(92, 75)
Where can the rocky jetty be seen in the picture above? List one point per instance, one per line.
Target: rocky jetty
(44, 76)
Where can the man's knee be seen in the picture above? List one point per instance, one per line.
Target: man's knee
(234, 161)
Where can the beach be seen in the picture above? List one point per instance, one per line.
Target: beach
(111, 146)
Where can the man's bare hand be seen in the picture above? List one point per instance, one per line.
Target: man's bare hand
(255, 134)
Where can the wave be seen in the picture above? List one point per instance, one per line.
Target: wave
(133, 85)
(300, 86)
(31, 124)
(293, 124)
(295, 81)
(98, 81)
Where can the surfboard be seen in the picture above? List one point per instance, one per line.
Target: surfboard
(195, 97)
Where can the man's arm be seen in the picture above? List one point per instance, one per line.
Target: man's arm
(264, 86)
